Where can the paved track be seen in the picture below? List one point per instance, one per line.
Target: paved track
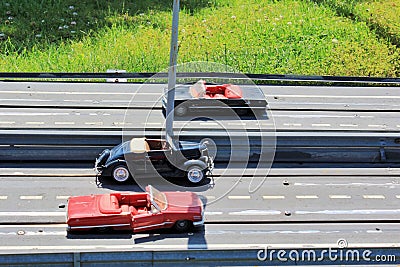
(53, 238)
(308, 207)
(343, 195)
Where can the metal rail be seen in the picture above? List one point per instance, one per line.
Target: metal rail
(5, 76)
(206, 257)
(299, 147)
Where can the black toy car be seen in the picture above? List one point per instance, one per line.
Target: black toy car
(203, 97)
(144, 155)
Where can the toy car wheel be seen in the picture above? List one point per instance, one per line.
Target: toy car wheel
(195, 174)
(182, 225)
(120, 174)
(181, 110)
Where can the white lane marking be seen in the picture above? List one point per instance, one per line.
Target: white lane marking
(122, 123)
(397, 196)
(398, 125)
(31, 114)
(273, 197)
(333, 96)
(376, 125)
(292, 124)
(237, 123)
(238, 197)
(7, 122)
(62, 197)
(213, 212)
(35, 122)
(304, 116)
(349, 212)
(348, 125)
(152, 123)
(192, 246)
(307, 197)
(41, 233)
(93, 114)
(339, 196)
(94, 123)
(41, 226)
(210, 197)
(64, 123)
(72, 93)
(32, 213)
(3, 197)
(321, 125)
(31, 197)
(208, 123)
(374, 196)
(255, 212)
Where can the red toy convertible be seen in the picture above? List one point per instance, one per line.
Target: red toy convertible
(202, 97)
(135, 211)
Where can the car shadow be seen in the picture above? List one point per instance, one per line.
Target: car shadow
(108, 183)
(220, 116)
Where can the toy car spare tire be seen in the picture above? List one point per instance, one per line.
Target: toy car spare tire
(181, 110)
(183, 225)
(195, 174)
(120, 173)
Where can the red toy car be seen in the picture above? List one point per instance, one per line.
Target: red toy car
(135, 211)
(202, 97)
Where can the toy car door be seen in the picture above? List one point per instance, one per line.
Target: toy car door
(152, 219)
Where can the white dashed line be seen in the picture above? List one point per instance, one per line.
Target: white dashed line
(62, 197)
(376, 125)
(32, 213)
(339, 196)
(292, 124)
(210, 197)
(397, 196)
(122, 123)
(374, 196)
(348, 125)
(273, 197)
(151, 123)
(307, 197)
(7, 122)
(213, 212)
(64, 123)
(94, 123)
(31, 197)
(237, 123)
(208, 123)
(35, 122)
(3, 197)
(255, 212)
(239, 197)
(320, 125)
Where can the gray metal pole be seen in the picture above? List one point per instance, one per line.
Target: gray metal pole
(169, 124)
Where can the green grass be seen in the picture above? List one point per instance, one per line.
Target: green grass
(287, 36)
